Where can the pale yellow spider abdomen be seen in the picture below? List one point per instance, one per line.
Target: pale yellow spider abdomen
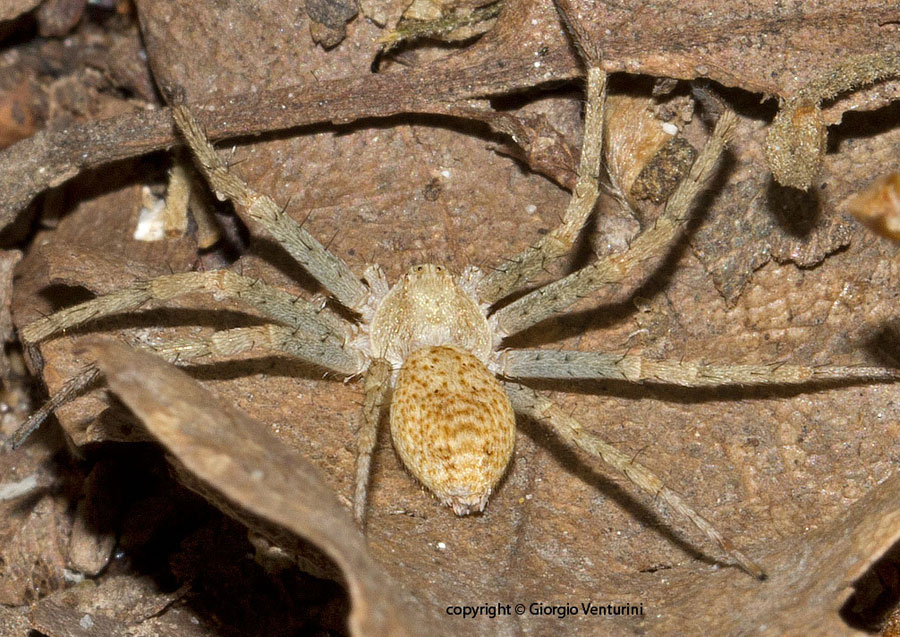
(453, 425)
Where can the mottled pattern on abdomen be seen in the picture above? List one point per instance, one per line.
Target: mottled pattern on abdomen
(452, 425)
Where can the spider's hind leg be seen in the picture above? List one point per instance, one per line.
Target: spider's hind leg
(76, 386)
(271, 339)
(568, 365)
(527, 401)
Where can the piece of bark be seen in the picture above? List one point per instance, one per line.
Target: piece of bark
(8, 261)
(15, 8)
(675, 41)
(56, 18)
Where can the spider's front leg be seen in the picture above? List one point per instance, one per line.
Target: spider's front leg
(327, 268)
(555, 297)
(519, 271)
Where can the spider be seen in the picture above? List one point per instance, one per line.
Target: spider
(431, 344)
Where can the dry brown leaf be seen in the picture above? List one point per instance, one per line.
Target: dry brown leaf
(816, 577)
(117, 605)
(752, 44)
(93, 537)
(753, 220)
(33, 528)
(13, 621)
(878, 206)
(17, 113)
(32, 552)
(248, 472)
(15, 8)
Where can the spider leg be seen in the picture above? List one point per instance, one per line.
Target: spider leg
(327, 268)
(555, 297)
(527, 401)
(519, 271)
(377, 385)
(275, 304)
(540, 363)
(74, 387)
(275, 339)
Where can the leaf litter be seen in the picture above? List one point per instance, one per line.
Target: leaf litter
(801, 480)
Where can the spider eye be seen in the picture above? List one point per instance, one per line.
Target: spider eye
(419, 268)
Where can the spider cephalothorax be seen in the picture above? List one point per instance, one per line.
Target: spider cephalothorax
(429, 306)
